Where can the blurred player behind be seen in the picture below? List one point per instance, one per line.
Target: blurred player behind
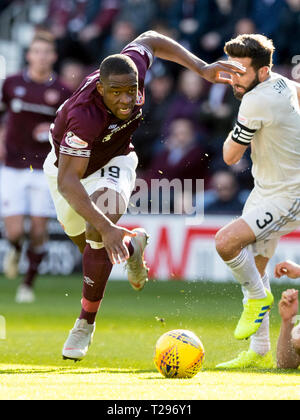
(31, 99)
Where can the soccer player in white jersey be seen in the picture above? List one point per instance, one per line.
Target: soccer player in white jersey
(269, 122)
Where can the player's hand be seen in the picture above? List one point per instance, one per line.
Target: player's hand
(113, 240)
(287, 268)
(213, 72)
(288, 305)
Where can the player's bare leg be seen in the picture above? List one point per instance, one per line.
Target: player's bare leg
(231, 243)
(14, 231)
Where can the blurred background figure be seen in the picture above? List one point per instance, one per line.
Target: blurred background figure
(189, 96)
(31, 99)
(72, 73)
(80, 27)
(287, 33)
(122, 33)
(140, 13)
(159, 94)
(224, 197)
(181, 157)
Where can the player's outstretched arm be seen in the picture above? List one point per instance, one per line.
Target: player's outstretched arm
(287, 357)
(168, 49)
(70, 171)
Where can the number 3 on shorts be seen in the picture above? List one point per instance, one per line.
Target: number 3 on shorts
(265, 222)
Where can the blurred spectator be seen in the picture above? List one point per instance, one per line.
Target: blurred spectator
(288, 32)
(72, 73)
(224, 197)
(123, 32)
(182, 158)
(159, 94)
(140, 13)
(80, 26)
(218, 28)
(190, 94)
(188, 17)
(266, 15)
(217, 114)
(244, 26)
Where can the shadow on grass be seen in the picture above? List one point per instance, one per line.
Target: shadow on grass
(72, 370)
(273, 371)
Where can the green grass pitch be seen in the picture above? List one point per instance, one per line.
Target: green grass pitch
(119, 364)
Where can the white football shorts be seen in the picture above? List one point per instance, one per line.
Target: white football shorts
(269, 219)
(25, 192)
(118, 175)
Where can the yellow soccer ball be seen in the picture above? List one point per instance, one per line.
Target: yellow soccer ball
(179, 354)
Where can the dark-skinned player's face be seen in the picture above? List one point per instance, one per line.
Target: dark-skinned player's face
(119, 92)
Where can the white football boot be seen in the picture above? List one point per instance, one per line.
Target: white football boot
(79, 340)
(25, 294)
(11, 263)
(137, 269)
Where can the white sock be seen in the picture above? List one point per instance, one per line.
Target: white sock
(245, 271)
(260, 341)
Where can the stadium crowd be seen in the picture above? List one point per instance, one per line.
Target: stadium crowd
(185, 120)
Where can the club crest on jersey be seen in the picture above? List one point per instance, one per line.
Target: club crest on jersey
(140, 99)
(51, 96)
(74, 141)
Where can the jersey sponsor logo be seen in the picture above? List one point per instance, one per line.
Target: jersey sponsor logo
(113, 126)
(74, 141)
(117, 129)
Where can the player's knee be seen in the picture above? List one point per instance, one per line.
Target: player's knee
(14, 234)
(222, 243)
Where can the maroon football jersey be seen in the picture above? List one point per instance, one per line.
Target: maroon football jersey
(84, 127)
(31, 107)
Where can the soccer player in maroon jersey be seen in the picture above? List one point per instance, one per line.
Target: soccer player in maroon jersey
(93, 162)
(31, 99)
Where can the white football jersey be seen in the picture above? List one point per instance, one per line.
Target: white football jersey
(269, 120)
